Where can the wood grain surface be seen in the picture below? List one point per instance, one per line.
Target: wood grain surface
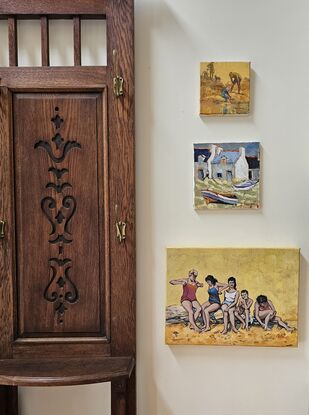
(62, 372)
(54, 78)
(45, 41)
(12, 33)
(112, 194)
(52, 7)
(120, 55)
(7, 270)
(79, 223)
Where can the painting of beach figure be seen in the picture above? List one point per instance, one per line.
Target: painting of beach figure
(227, 175)
(229, 296)
(225, 88)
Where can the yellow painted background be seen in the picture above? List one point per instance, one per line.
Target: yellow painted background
(272, 272)
(223, 69)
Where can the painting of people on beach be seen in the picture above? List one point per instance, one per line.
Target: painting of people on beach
(227, 176)
(232, 296)
(225, 88)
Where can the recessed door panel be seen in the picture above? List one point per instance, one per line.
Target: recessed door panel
(61, 258)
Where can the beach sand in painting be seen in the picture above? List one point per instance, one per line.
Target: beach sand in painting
(257, 272)
(224, 88)
(278, 337)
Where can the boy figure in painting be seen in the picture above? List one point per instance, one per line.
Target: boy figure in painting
(188, 299)
(264, 312)
(242, 312)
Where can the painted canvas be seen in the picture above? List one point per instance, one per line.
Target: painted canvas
(225, 88)
(227, 176)
(244, 297)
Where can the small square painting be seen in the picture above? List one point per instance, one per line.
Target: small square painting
(227, 175)
(232, 296)
(224, 88)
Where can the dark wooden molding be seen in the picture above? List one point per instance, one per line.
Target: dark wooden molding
(63, 372)
(77, 78)
(8, 400)
(7, 244)
(67, 8)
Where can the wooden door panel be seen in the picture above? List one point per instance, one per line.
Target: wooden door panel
(60, 214)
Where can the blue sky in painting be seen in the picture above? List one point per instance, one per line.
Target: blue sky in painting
(252, 148)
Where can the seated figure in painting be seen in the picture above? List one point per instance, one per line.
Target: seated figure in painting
(242, 312)
(213, 304)
(225, 94)
(265, 312)
(231, 296)
(188, 299)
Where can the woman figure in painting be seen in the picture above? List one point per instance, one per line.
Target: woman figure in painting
(213, 304)
(188, 299)
(231, 296)
(264, 312)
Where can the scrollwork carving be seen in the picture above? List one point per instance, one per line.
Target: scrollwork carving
(61, 289)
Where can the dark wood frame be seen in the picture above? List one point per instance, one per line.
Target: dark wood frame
(119, 15)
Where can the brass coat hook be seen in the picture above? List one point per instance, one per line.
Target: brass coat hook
(120, 227)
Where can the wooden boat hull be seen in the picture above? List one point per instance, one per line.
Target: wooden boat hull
(214, 197)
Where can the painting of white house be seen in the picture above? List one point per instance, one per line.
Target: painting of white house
(227, 175)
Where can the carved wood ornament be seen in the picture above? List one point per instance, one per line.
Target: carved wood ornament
(60, 290)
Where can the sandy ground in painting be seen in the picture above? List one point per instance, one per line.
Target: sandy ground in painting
(212, 103)
(181, 334)
(248, 199)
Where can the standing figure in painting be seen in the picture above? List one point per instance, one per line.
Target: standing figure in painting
(188, 299)
(211, 70)
(242, 312)
(236, 80)
(265, 312)
(213, 304)
(231, 297)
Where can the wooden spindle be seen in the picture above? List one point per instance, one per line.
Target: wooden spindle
(77, 42)
(45, 41)
(12, 32)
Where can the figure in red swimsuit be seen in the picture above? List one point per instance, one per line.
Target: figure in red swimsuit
(188, 299)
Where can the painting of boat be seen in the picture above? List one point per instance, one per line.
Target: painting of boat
(214, 197)
(247, 185)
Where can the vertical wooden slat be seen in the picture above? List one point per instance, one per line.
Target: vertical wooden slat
(8, 400)
(120, 57)
(7, 271)
(12, 31)
(45, 41)
(77, 42)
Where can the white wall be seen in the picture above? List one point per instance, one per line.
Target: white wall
(172, 37)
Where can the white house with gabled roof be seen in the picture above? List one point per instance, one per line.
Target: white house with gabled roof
(228, 165)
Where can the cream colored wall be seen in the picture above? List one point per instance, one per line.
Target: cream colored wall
(172, 37)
